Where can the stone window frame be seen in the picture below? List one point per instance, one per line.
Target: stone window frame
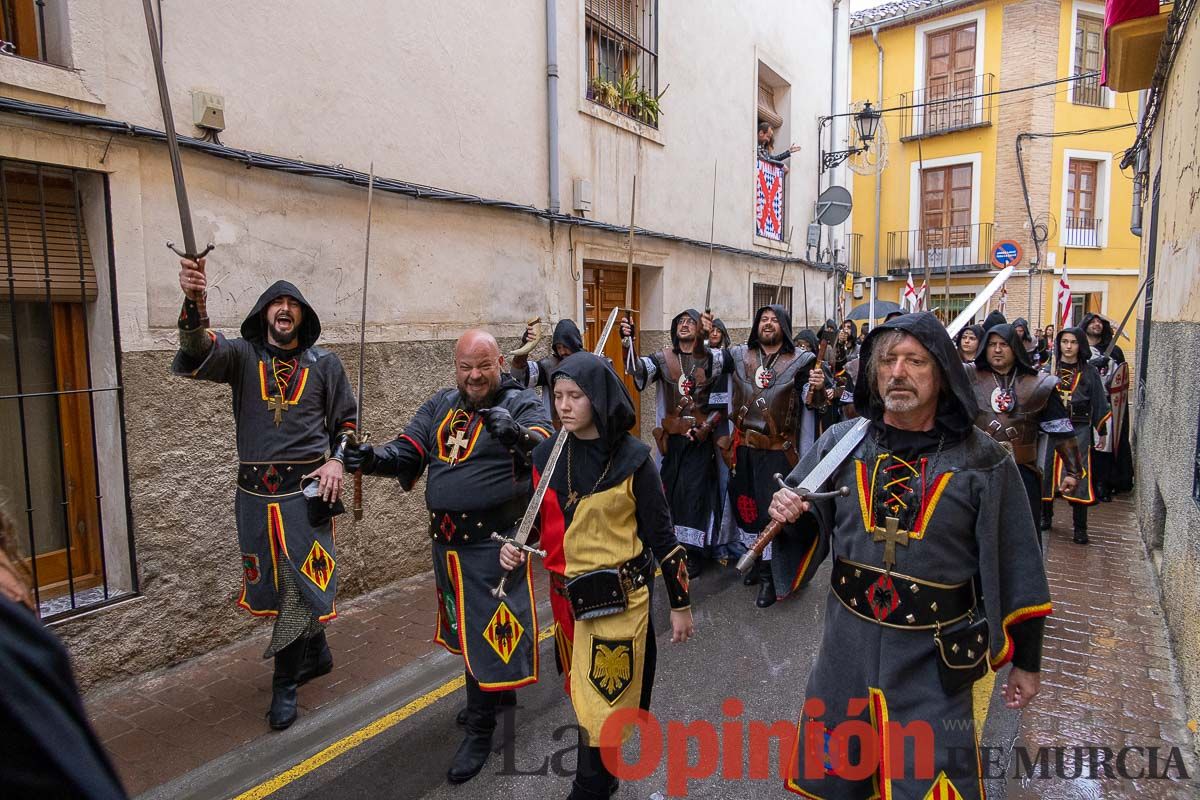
(920, 34)
(1093, 10)
(1103, 205)
(914, 189)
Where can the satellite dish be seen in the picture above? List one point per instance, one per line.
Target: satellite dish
(833, 206)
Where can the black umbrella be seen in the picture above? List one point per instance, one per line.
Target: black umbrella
(882, 309)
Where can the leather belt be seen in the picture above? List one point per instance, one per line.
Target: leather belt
(680, 425)
(1021, 453)
(762, 441)
(899, 601)
(467, 527)
(633, 574)
(274, 479)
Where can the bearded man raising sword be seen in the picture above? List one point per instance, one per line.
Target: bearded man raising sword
(768, 377)
(476, 441)
(294, 412)
(936, 573)
(685, 422)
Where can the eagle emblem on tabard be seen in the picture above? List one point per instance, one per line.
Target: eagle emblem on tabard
(318, 566)
(612, 667)
(503, 632)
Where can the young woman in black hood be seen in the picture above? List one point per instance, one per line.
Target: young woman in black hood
(1086, 399)
(604, 523)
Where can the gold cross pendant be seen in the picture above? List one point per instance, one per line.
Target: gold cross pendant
(458, 443)
(891, 535)
(278, 406)
(572, 498)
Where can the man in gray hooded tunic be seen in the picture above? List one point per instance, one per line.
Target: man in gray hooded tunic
(937, 574)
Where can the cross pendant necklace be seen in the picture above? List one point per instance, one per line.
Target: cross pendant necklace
(891, 535)
(458, 442)
(277, 405)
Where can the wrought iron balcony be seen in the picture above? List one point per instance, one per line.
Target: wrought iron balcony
(946, 107)
(958, 248)
(1087, 91)
(1081, 232)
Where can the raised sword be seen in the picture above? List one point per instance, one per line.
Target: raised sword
(359, 435)
(531, 513)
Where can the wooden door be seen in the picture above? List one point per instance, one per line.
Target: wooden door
(603, 290)
(950, 73)
(946, 207)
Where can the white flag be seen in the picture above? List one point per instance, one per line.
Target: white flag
(1064, 300)
(908, 301)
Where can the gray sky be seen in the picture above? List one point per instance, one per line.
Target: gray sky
(859, 5)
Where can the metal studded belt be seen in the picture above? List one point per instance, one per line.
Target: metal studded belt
(899, 601)
(468, 527)
(274, 479)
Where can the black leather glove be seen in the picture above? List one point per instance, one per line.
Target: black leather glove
(500, 424)
(1100, 362)
(359, 457)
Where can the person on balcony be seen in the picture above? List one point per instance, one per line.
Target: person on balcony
(766, 142)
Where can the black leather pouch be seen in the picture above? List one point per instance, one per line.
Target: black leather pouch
(962, 654)
(319, 512)
(597, 594)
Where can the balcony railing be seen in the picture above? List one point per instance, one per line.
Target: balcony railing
(852, 255)
(958, 248)
(1081, 232)
(770, 201)
(622, 57)
(946, 106)
(1088, 92)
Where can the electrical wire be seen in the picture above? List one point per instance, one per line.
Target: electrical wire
(338, 173)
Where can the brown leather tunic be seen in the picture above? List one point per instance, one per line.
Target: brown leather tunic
(1016, 430)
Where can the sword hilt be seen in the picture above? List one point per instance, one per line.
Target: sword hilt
(357, 507)
(524, 548)
(774, 527)
(202, 300)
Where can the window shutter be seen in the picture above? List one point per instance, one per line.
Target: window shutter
(621, 15)
(766, 106)
(65, 259)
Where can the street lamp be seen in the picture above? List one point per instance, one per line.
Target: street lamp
(866, 122)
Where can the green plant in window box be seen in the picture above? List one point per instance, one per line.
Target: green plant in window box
(605, 93)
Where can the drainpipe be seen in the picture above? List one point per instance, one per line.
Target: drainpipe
(833, 48)
(879, 174)
(552, 101)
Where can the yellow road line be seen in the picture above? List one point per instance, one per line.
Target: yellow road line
(364, 734)
(982, 698)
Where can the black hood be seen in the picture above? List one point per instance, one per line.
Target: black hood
(720, 325)
(1028, 337)
(993, 319)
(1085, 349)
(808, 336)
(1106, 333)
(975, 329)
(785, 325)
(853, 338)
(566, 332)
(1009, 334)
(612, 406)
(893, 314)
(695, 315)
(956, 407)
(254, 328)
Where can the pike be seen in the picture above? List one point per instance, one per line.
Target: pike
(181, 198)
(1125, 320)
(359, 436)
(807, 485)
(783, 269)
(712, 236)
(629, 264)
(535, 505)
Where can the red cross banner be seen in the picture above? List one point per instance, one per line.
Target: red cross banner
(768, 201)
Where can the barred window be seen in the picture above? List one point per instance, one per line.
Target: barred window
(63, 478)
(764, 295)
(622, 57)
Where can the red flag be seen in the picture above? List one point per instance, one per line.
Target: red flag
(1064, 299)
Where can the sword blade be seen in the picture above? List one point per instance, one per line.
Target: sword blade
(825, 468)
(712, 236)
(362, 325)
(164, 101)
(964, 318)
(539, 494)
(629, 260)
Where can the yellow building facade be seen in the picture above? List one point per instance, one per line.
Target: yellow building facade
(951, 78)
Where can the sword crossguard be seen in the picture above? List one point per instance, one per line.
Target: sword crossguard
(524, 548)
(189, 256)
(843, 491)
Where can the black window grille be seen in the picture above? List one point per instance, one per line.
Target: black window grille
(622, 57)
(32, 29)
(764, 295)
(61, 408)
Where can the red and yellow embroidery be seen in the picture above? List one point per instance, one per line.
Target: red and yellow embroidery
(943, 789)
(318, 566)
(1020, 615)
(897, 486)
(457, 435)
(504, 632)
(284, 372)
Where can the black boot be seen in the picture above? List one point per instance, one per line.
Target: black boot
(1047, 515)
(318, 660)
(751, 578)
(1080, 515)
(592, 781)
(284, 683)
(766, 586)
(477, 745)
(1080, 536)
(507, 699)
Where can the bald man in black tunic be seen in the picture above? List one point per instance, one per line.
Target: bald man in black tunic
(476, 440)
